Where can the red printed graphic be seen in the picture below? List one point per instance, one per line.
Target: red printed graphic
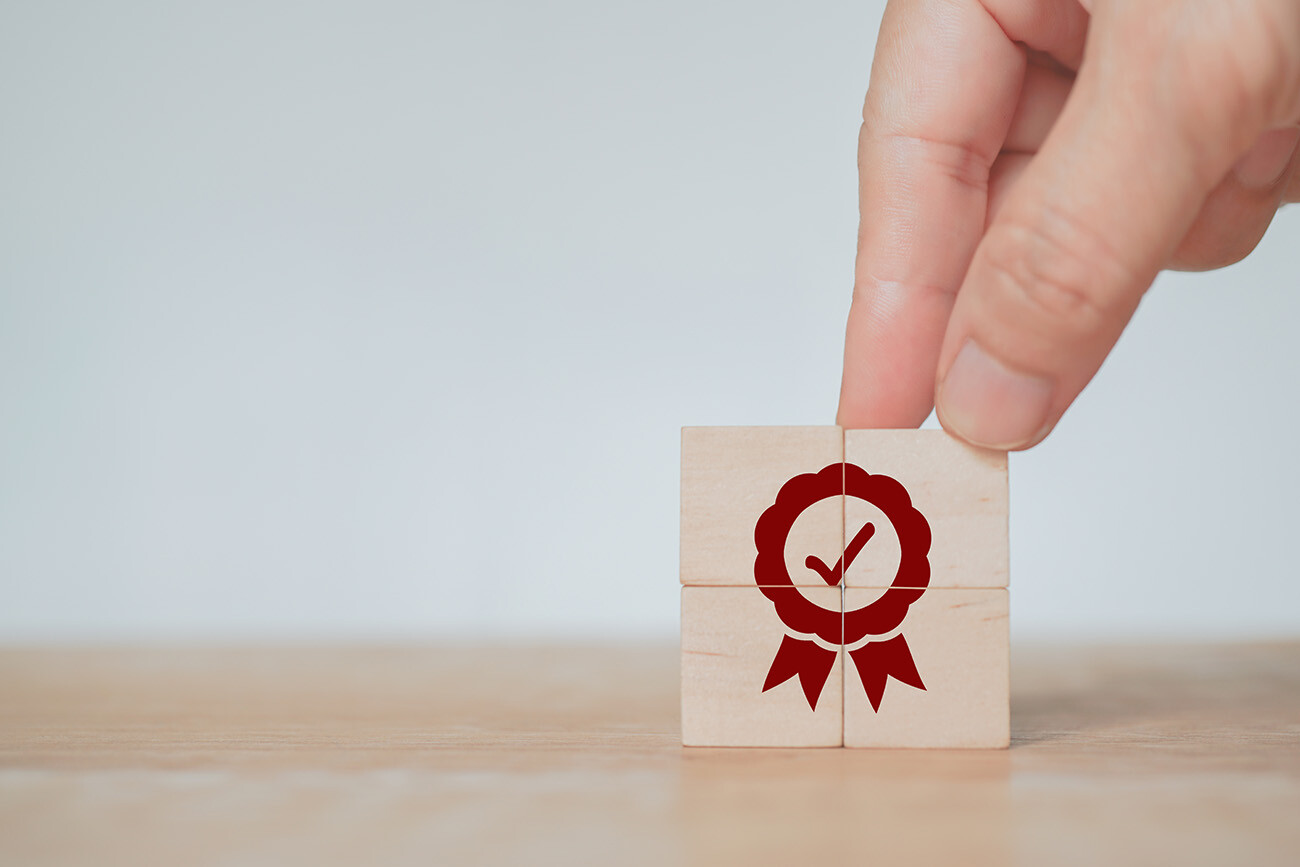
(875, 661)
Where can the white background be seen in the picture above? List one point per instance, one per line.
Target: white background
(379, 321)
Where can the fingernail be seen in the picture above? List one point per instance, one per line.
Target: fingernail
(984, 401)
(1267, 159)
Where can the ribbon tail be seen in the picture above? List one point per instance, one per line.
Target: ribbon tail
(812, 665)
(877, 661)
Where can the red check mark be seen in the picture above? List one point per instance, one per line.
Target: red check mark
(832, 575)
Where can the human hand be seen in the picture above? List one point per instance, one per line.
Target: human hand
(1027, 167)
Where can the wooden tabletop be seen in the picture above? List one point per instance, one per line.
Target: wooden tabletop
(546, 755)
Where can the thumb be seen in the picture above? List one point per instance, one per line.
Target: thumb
(1088, 225)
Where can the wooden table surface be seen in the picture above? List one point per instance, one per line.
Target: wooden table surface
(543, 755)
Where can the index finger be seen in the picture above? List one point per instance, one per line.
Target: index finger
(944, 86)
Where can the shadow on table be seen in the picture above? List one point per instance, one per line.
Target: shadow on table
(1136, 694)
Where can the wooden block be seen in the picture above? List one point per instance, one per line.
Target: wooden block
(732, 475)
(961, 492)
(734, 644)
(953, 642)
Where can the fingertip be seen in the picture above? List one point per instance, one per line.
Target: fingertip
(989, 404)
(866, 415)
(891, 349)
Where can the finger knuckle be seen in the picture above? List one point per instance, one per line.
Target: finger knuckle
(1060, 276)
(1248, 80)
(958, 160)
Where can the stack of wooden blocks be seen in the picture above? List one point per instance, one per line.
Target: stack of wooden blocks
(843, 588)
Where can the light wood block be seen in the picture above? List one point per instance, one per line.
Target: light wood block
(960, 490)
(957, 640)
(731, 637)
(731, 476)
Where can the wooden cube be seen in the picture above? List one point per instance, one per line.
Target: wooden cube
(960, 490)
(940, 679)
(843, 588)
(749, 680)
(732, 475)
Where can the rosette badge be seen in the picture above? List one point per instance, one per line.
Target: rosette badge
(871, 635)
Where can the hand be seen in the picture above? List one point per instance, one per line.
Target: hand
(1027, 167)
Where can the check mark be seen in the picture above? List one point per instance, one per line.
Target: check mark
(832, 575)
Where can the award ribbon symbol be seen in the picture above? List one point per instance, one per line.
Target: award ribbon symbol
(875, 661)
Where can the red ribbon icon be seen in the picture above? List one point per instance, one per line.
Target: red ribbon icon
(875, 661)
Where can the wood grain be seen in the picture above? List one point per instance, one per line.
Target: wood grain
(961, 490)
(570, 755)
(958, 639)
(730, 476)
(730, 635)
